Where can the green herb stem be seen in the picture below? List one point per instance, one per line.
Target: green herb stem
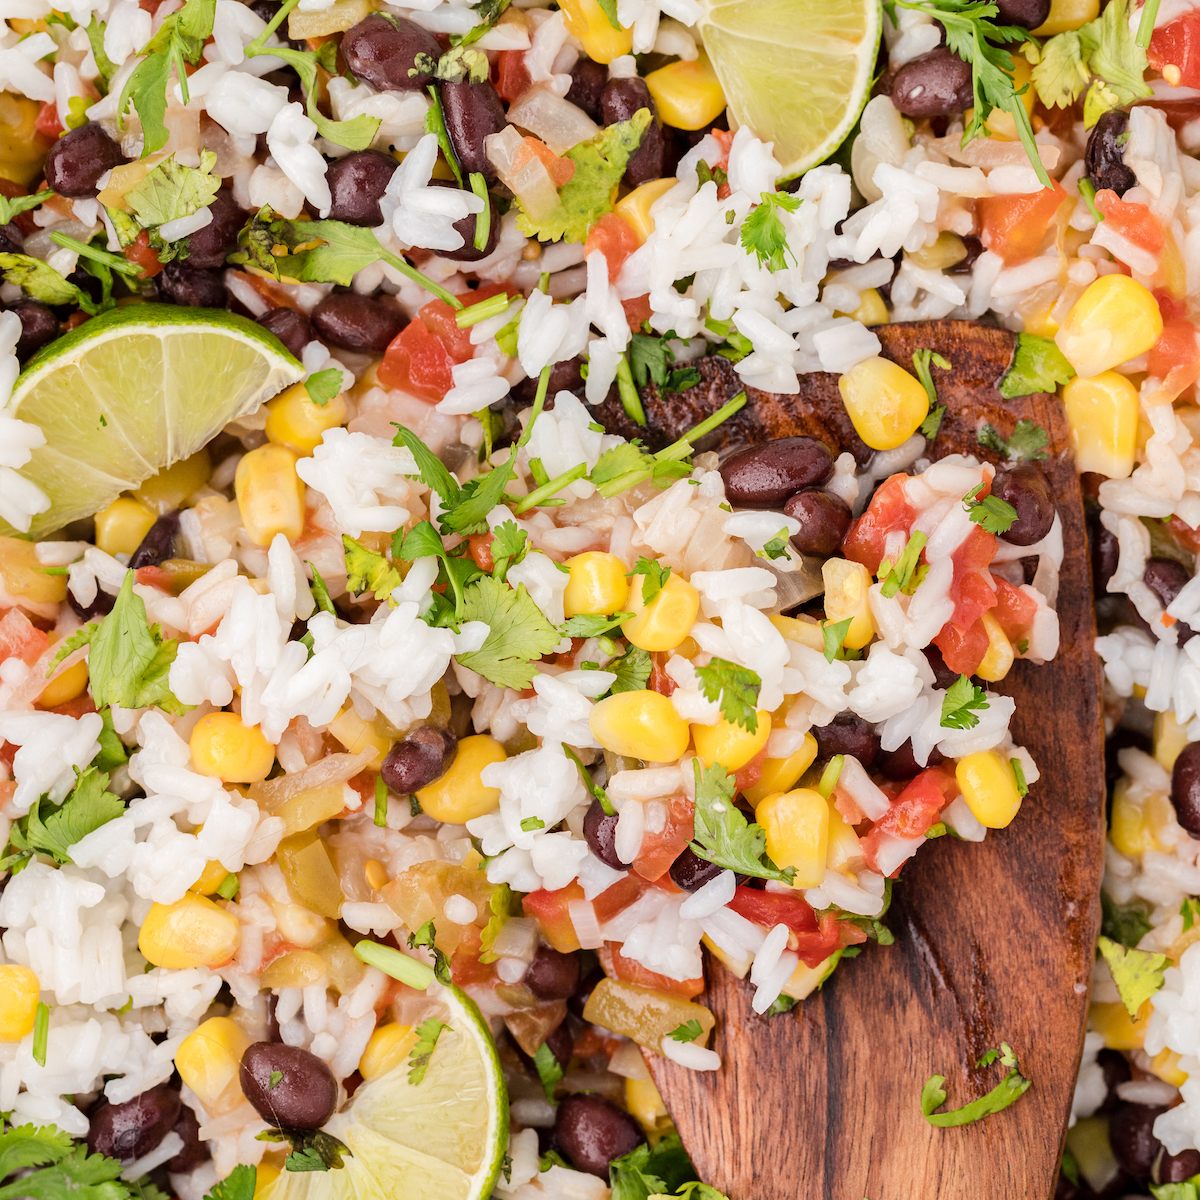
(1015, 107)
(228, 887)
(41, 1033)
(631, 402)
(403, 967)
(273, 24)
(539, 495)
(682, 448)
(493, 306)
(483, 221)
(539, 402)
(1088, 191)
(1146, 24)
(115, 262)
(831, 774)
(381, 802)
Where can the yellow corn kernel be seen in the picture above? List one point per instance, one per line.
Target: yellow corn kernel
(641, 725)
(998, 660)
(946, 250)
(295, 421)
(805, 980)
(1066, 15)
(782, 774)
(738, 966)
(597, 584)
(1000, 124)
(174, 484)
(1169, 739)
(65, 687)
(688, 94)
(884, 402)
(19, 991)
(358, 735)
(846, 587)
(634, 209)
(1165, 1064)
(797, 828)
(388, 1048)
(121, 526)
(989, 787)
(643, 1101)
(1042, 324)
(270, 494)
(729, 744)
(459, 795)
(22, 575)
(1135, 824)
(210, 879)
(1103, 415)
(22, 148)
(1113, 1023)
(208, 1061)
(871, 309)
(267, 1173)
(586, 20)
(192, 932)
(667, 619)
(804, 630)
(1115, 319)
(232, 752)
(376, 874)
(845, 851)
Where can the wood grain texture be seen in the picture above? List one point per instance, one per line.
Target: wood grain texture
(994, 941)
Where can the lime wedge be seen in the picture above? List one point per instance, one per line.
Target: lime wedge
(797, 72)
(444, 1138)
(132, 392)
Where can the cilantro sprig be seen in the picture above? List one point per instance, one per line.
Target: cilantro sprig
(961, 703)
(1138, 974)
(369, 571)
(1038, 365)
(722, 833)
(904, 576)
(735, 688)
(1011, 1088)
(654, 577)
(518, 633)
(993, 514)
(428, 1033)
(11, 207)
(763, 233)
(1026, 443)
(921, 364)
(651, 359)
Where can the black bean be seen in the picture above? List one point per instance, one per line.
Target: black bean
(194, 1151)
(619, 100)
(159, 543)
(943, 677)
(303, 1093)
(824, 520)
(195, 287)
(587, 82)
(583, 991)
(561, 1043)
(209, 246)
(1185, 788)
(901, 763)
(1116, 1072)
(765, 476)
(691, 872)
(1028, 491)
(1029, 14)
(356, 185)
(465, 227)
(551, 975)
(848, 733)
(127, 1131)
(592, 1131)
(967, 265)
(383, 49)
(565, 376)
(79, 158)
(1131, 1135)
(39, 327)
(423, 756)
(600, 830)
(12, 240)
(1178, 1168)
(292, 328)
(1104, 553)
(473, 112)
(1165, 578)
(937, 84)
(356, 322)
(265, 10)
(1104, 156)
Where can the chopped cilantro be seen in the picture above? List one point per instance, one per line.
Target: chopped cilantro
(381, 802)
(596, 791)
(455, 571)
(435, 117)
(831, 774)
(650, 360)
(632, 670)
(503, 904)
(112, 750)
(722, 833)
(763, 234)
(510, 544)
(10, 208)
(776, 547)
(552, 1158)
(1138, 974)
(273, 1080)
(428, 1033)
(367, 571)
(588, 625)
(320, 591)
(1189, 911)
(1019, 775)
(426, 938)
(1012, 1087)
(834, 634)
(40, 281)
(631, 1176)
(549, 1070)
(312, 1150)
(171, 190)
(932, 423)
(1189, 1189)
(489, 12)
(1129, 923)
(689, 1031)
(735, 688)
(900, 577)
(237, 1185)
(323, 386)
(229, 886)
(1028, 440)
(921, 361)
(1038, 365)
(992, 513)
(518, 633)
(654, 577)
(961, 701)
(41, 1033)
(529, 824)
(1087, 189)
(705, 174)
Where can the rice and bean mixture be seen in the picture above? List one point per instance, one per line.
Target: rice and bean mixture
(422, 663)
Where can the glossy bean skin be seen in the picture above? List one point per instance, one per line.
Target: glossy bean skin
(901, 764)
(101, 606)
(824, 520)
(937, 84)
(292, 328)
(127, 1131)
(1116, 1072)
(356, 322)
(192, 287)
(561, 1043)
(1029, 14)
(12, 240)
(967, 265)
(465, 227)
(78, 159)
(619, 100)
(600, 830)
(848, 733)
(423, 756)
(1165, 578)
(383, 49)
(1103, 157)
(942, 675)
(1028, 491)
(194, 1151)
(1185, 788)
(691, 872)
(473, 112)
(1104, 554)
(587, 82)
(1178, 1168)
(356, 185)
(305, 1092)
(551, 975)
(209, 246)
(565, 376)
(1131, 1135)
(159, 542)
(767, 475)
(592, 1131)
(39, 327)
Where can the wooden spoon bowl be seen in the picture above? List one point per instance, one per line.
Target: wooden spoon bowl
(994, 940)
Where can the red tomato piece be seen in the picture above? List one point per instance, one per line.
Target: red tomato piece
(1184, 534)
(971, 589)
(1177, 44)
(72, 708)
(614, 238)
(1014, 226)
(659, 680)
(417, 362)
(481, 551)
(439, 319)
(616, 965)
(659, 850)
(1133, 221)
(914, 810)
(511, 76)
(962, 649)
(888, 512)
(769, 909)
(1176, 348)
(751, 773)
(20, 638)
(141, 255)
(47, 124)
(465, 967)
(1015, 609)
(559, 169)
(637, 311)
(621, 895)
(549, 909)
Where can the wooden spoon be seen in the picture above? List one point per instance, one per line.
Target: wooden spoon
(994, 940)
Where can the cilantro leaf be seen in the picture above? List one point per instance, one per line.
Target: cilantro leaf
(10, 208)
(1038, 365)
(589, 193)
(960, 703)
(1189, 910)
(1012, 1087)
(735, 688)
(426, 937)
(595, 790)
(654, 577)
(65, 1169)
(31, 1146)
(367, 571)
(834, 634)
(921, 360)
(620, 460)
(992, 513)
(631, 1176)
(1026, 442)
(722, 833)
(107, 68)
(1129, 923)
(1188, 1190)
(433, 473)
(489, 12)
(112, 750)
(1138, 974)
(312, 1150)
(456, 572)
(705, 173)
(237, 1185)
(632, 670)
(320, 591)
(40, 281)
(1062, 73)
(650, 360)
(588, 625)
(1118, 60)
(900, 577)
(171, 190)
(549, 1070)
(518, 633)
(776, 547)
(86, 808)
(323, 386)
(510, 544)
(428, 1033)
(503, 904)
(689, 1031)
(763, 234)
(932, 423)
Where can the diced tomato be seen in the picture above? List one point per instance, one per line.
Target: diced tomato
(416, 362)
(769, 909)
(725, 140)
(962, 649)
(621, 895)
(439, 319)
(549, 909)
(1014, 226)
(659, 850)
(751, 773)
(1177, 44)
(971, 588)
(76, 708)
(659, 680)
(1015, 609)
(154, 577)
(1135, 222)
(614, 238)
(47, 124)
(1175, 357)
(560, 169)
(617, 966)
(141, 255)
(8, 752)
(888, 512)
(914, 810)
(511, 76)
(637, 311)
(481, 551)
(465, 967)
(21, 638)
(1184, 534)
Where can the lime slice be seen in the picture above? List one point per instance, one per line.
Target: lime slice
(444, 1138)
(132, 392)
(797, 72)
